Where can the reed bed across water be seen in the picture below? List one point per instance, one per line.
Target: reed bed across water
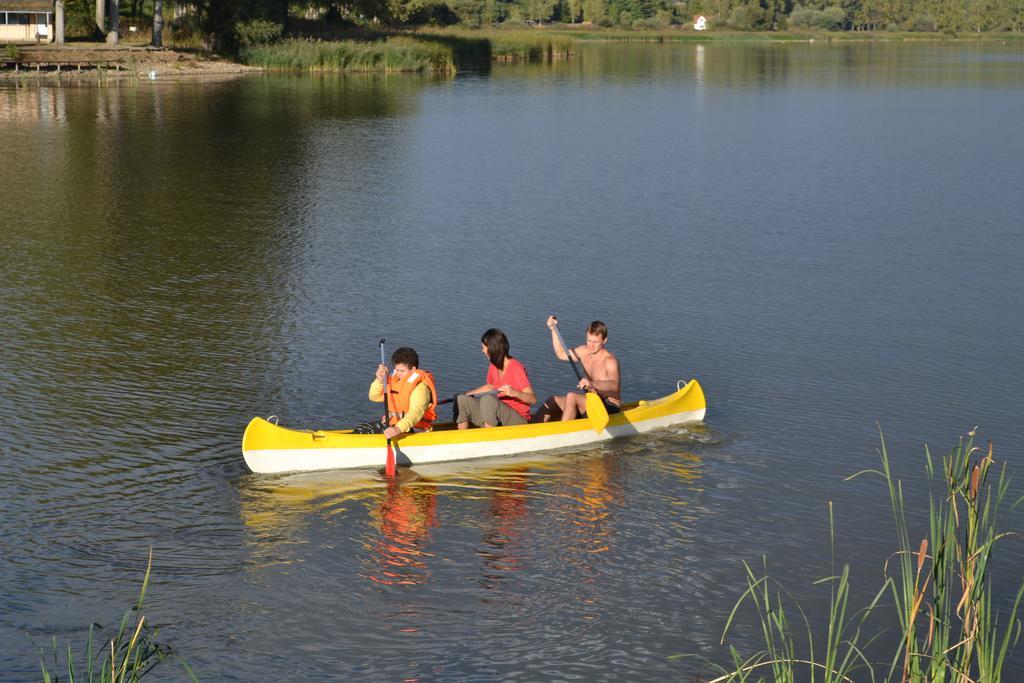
(423, 51)
(391, 55)
(527, 45)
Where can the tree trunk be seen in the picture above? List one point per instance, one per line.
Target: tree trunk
(58, 21)
(113, 35)
(158, 23)
(101, 16)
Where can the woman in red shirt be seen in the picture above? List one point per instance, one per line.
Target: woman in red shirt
(506, 397)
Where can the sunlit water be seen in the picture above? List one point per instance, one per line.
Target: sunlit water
(826, 236)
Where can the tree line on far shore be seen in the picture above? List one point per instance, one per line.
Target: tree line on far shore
(225, 24)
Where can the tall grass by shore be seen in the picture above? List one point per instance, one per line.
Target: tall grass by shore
(392, 55)
(943, 597)
(426, 50)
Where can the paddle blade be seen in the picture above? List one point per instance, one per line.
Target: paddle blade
(389, 464)
(596, 412)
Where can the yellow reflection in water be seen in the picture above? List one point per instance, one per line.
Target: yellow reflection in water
(571, 504)
(281, 508)
(599, 494)
(505, 526)
(401, 514)
(404, 516)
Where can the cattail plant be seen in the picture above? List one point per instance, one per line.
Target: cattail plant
(950, 630)
(944, 596)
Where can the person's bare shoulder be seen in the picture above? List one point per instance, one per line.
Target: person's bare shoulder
(611, 363)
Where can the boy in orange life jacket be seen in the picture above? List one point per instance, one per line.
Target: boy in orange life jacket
(412, 397)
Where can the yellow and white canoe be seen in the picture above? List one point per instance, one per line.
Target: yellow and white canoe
(269, 448)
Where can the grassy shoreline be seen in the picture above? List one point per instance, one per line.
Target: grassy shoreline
(313, 47)
(427, 50)
(443, 51)
(395, 55)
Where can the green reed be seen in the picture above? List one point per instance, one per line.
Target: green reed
(528, 45)
(128, 656)
(950, 630)
(942, 592)
(390, 55)
(524, 46)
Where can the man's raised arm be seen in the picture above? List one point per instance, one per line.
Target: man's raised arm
(555, 343)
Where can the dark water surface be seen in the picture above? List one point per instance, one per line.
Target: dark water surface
(826, 236)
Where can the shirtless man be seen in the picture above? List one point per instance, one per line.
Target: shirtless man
(599, 364)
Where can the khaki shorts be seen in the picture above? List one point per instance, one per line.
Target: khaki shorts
(487, 409)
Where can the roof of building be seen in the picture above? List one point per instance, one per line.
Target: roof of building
(26, 6)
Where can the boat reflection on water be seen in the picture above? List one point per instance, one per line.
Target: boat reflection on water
(287, 514)
(503, 549)
(600, 493)
(525, 516)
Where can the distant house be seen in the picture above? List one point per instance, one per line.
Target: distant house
(23, 21)
(700, 22)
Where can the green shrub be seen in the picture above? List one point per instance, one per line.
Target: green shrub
(430, 14)
(747, 17)
(644, 25)
(258, 32)
(186, 31)
(924, 23)
(830, 19)
(12, 52)
(79, 19)
(801, 17)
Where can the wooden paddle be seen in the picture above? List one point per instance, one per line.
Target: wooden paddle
(389, 462)
(597, 413)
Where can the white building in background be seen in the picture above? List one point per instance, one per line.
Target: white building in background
(26, 21)
(700, 22)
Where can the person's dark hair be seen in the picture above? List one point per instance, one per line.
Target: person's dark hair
(599, 328)
(406, 356)
(497, 346)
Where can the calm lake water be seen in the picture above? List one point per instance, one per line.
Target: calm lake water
(828, 236)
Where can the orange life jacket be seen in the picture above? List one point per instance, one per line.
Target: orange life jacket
(400, 391)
